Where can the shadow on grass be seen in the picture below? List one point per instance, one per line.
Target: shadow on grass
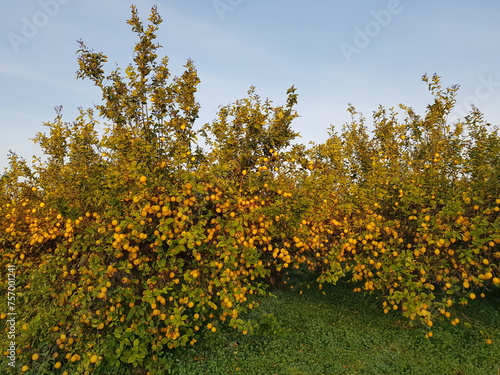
(337, 331)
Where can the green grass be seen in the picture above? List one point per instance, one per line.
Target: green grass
(341, 332)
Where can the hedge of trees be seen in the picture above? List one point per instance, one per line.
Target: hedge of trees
(131, 243)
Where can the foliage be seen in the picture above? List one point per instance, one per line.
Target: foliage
(422, 203)
(134, 242)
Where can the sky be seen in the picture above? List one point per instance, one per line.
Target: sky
(335, 52)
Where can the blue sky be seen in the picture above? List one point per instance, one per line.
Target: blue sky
(367, 53)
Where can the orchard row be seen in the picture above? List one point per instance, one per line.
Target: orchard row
(135, 242)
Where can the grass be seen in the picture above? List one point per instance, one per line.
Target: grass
(342, 332)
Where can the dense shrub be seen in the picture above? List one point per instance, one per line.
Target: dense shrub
(422, 205)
